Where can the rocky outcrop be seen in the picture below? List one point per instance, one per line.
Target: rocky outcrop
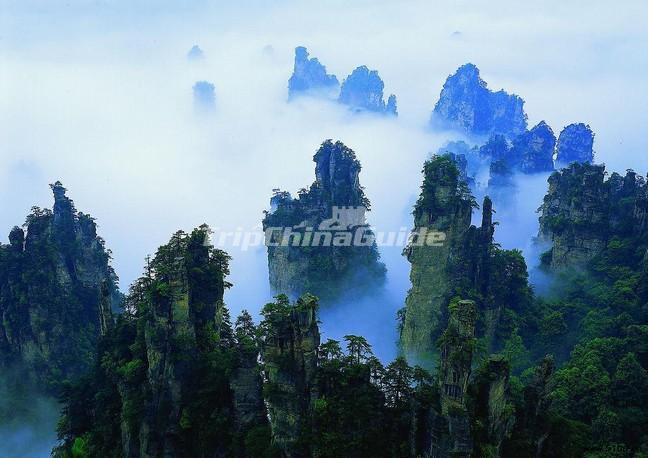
(309, 76)
(465, 264)
(457, 343)
(289, 352)
(533, 150)
(362, 90)
(172, 377)
(474, 415)
(247, 382)
(467, 158)
(575, 144)
(493, 415)
(57, 292)
(468, 105)
(583, 211)
(204, 96)
(195, 53)
(444, 206)
(320, 242)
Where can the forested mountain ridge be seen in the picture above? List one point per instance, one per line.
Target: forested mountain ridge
(516, 374)
(57, 293)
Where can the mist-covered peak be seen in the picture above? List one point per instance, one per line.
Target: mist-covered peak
(309, 76)
(195, 53)
(466, 104)
(535, 149)
(575, 144)
(204, 96)
(362, 90)
(337, 173)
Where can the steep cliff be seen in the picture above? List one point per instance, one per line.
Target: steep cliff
(575, 144)
(445, 205)
(309, 76)
(320, 242)
(362, 90)
(289, 349)
(583, 212)
(467, 264)
(467, 104)
(57, 292)
(533, 150)
(172, 374)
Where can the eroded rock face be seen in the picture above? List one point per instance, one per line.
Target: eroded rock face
(444, 206)
(468, 105)
(57, 292)
(290, 354)
(362, 90)
(534, 149)
(583, 211)
(466, 264)
(322, 255)
(309, 76)
(575, 144)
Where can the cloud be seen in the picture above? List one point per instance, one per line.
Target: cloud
(98, 95)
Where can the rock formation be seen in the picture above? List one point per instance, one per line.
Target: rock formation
(57, 292)
(445, 206)
(247, 382)
(467, 104)
(533, 150)
(583, 211)
(467, 158)
(466, 264)
(493, 415)
(204, 96)
(174, 378)
(320, 242)
(195, 53)
(474, 415)
(309, 76)
(457, 343)
(290, 353)
(575, 144)
(362, 90)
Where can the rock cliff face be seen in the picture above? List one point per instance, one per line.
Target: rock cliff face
(467, 104)
(57, 292)
(444, 206)
(362, 90)
(493, 415)
(457, 343)
(474, 415)
(466, 264)
(309, 76)
(247, 382)
(530, 152)
(575, 144)
(290, 355)
(328, 248)
(582, 212)
(533, 150)
(175, 379)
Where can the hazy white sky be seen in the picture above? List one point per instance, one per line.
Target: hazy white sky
(97, 94)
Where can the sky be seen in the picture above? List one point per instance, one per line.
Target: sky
(97, 94)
